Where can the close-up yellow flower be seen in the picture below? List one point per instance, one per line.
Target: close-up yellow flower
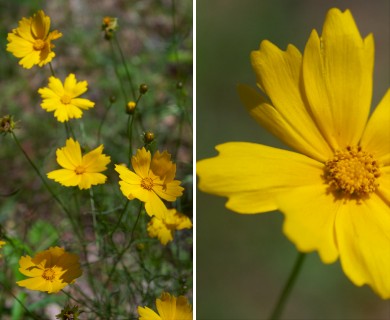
(164, 228)
(151, 181)
(64, 99)
(50, 270)
(80, 170)
(31, 41)
(334, 189)
(168, 308)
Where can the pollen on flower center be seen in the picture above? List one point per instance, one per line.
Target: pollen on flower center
(353, 171)
(79, 170)
(66, 99)
(147, 183)
(49, 274)
(39, 44)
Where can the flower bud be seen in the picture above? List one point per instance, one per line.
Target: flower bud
(7, 124)
(148, 137)
(130, 107)
(143, 88)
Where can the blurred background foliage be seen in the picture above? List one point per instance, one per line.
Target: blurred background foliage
(243, 261)
(157, 43)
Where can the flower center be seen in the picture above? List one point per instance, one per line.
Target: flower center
(147, 183)
(66, 99)
(352, 171)
(39, 44)
(49, 274)
(79, 170)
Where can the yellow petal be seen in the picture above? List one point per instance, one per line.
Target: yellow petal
(384, 184)
(69, 157)
(28, 268)
(67, 178)
(251, 175)
(127, 175)
(146, 313)
(279, 75)
(56, 86)
(183, 309)
(69, 84)
(89, 179)
(141, 162)
(310, 213)
(82, 103)
(363, 237)
(376, 137)
(304, 139)
(154, 206)
(166, 306)
(95, 160)
(337, 74)
(40, 25)
(170, 191)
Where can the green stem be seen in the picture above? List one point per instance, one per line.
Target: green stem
(278, 309)
(52, 70)
(120, 255)
(125, 66)
(117, 72)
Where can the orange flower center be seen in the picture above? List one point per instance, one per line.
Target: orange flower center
(49, 274)
(39, 44)
(79, 170)
(352, 171)
(66, 99)
(147, 183)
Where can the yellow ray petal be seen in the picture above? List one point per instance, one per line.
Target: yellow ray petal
(82, 103)
(246, 170)
(337, 73)
(310, 213)
(95, 160)
(279, 75)
(66, 177)
(141, 162)
(304, 139)
(376, 137)
(363, 237)
(146, 313)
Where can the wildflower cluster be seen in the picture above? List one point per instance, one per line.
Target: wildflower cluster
(97, 239)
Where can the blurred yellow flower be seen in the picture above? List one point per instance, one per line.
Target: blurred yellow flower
(50, 270)
(164, 228)
(63, 98)
(78, 170)
(2, 243)
(335, 190)
(153, 179)
(31, 41)
(169, 308)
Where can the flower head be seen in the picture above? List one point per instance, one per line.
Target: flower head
(169, 308)
(151, 181)
(334, 190)
(80, 170)
(164, 228)
(7, 124)
(31, 41)
(109, 26)
(64, 99)
(50, 270)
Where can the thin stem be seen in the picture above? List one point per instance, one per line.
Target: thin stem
(125, 66)
(117, 72)
(74, 225)
(94, 220)
(52, 70)
(278, 309)
(120, 255)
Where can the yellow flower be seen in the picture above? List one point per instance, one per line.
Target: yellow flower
(78, 170)
(169, 308)
(164, 228)
(335, 190)
(2, 243)
(50, 270)
(31, 41)
(63, 99)
(153, 179)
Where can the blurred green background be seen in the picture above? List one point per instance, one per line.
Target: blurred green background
(244, 260)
